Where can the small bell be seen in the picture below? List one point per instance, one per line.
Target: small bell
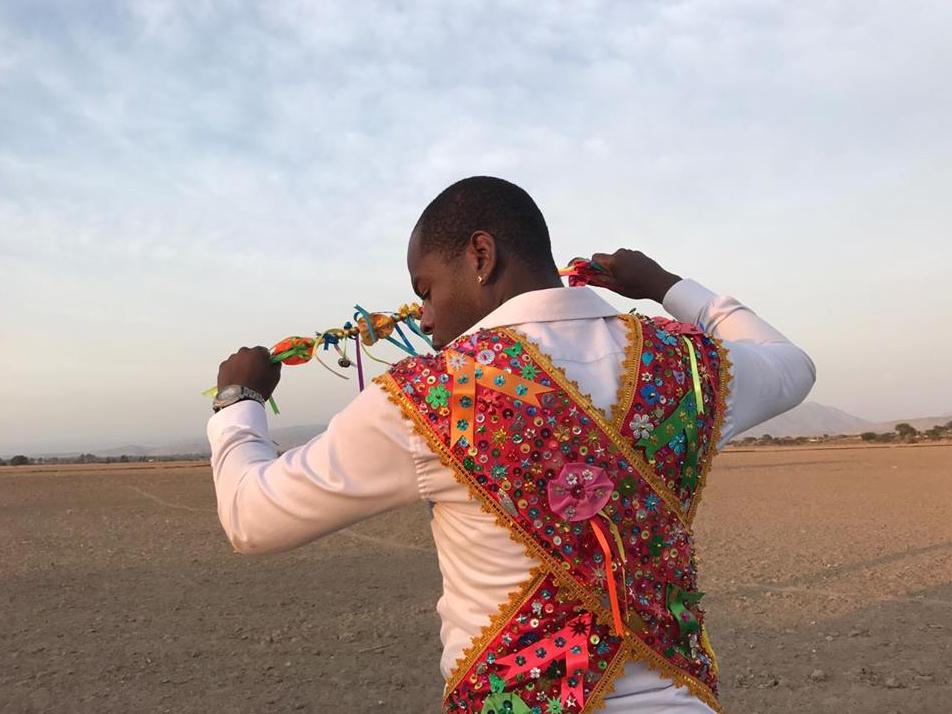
(343, 362)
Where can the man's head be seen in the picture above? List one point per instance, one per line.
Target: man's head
(480, 242)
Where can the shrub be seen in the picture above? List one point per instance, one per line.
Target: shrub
(906, 432)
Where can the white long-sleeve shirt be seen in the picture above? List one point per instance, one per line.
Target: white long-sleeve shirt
(370, 459)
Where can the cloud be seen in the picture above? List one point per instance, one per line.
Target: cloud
(295, 143)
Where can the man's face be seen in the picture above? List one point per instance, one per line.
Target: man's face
(448, 288)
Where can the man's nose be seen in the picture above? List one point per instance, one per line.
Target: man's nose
(426, 324)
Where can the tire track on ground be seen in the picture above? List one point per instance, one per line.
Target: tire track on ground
(345, 532)
(168, 504)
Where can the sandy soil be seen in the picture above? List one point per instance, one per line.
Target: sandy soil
(828, 572)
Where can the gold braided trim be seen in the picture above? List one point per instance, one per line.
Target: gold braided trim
(606, 683)
(706, 644)
(636, 648)
(497, 621)
(640, 652)
(630, 371)
(723, 389)
(646, 471)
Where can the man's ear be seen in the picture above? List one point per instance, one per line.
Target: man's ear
(483, 256)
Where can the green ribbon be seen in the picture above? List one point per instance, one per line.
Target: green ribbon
(296, 351)
(498, 702)
(505, 704)
(679, 603)
(680, 420)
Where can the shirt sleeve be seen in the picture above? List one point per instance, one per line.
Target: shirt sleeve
(769, 374)
(363, 464)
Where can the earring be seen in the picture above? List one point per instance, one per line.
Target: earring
(479, 279)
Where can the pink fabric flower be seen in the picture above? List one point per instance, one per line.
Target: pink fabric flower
(579, 491)
(675, 327)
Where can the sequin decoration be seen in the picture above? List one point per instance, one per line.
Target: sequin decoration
(556, 648)
(664, 422)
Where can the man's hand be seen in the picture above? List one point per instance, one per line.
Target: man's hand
(633, 274)
(250, 367)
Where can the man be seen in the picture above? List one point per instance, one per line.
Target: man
(564, 448)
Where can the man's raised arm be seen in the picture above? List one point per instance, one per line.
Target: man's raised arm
(770, 374)
(362, 465)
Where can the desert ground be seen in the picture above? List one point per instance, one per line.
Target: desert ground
(828, 575)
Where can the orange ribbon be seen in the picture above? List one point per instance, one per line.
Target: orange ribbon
(466, 375)
(610, 576)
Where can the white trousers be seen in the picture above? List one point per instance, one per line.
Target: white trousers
(640, 690)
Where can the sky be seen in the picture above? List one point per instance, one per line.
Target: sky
(178, 179)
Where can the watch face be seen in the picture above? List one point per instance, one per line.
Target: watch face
(229, 392)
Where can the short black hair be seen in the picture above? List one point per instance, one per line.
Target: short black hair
(493, 205)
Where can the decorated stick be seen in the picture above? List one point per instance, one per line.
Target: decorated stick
(370, 328)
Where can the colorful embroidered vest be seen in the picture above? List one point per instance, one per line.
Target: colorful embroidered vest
(604, 505)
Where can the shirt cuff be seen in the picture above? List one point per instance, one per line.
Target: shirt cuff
(247, 413)
(687, 301)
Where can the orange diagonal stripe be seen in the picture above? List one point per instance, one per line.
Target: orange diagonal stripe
(463, 399)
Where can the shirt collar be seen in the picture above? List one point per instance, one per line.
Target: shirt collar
(549, 305)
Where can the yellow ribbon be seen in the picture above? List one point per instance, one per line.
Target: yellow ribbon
(466, 375)
(616, 534)
(695, 376)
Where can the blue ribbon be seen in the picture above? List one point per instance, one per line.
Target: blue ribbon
(328, 339)
(406, 346)
(411, 323)
(366, 316)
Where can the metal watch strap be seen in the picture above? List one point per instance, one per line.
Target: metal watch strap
(243, 394)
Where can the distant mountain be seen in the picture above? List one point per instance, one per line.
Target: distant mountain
(290, 436)
(920, 423)
(807, 419)
(814, 419)
(286, 437)
(128, 450)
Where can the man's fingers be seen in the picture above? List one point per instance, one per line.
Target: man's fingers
(262, 351)
(602, 280)
(604, 260)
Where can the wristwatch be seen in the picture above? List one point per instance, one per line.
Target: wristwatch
(232, 394)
